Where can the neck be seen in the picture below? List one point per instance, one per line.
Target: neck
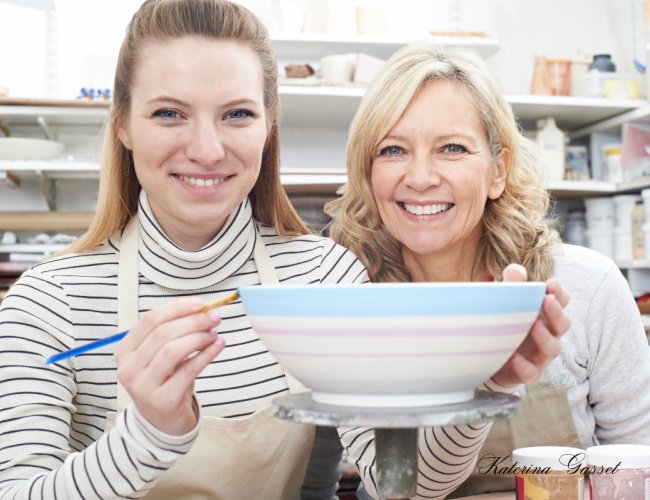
(191, 239)
(453, 265)
(187, 236)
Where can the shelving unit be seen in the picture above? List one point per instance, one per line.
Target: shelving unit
(335, 106)
(639, 114)
(314, 125)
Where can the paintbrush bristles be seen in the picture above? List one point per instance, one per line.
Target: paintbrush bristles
(221, 302)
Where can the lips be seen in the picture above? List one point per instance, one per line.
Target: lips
(430, 209)
(201, 181)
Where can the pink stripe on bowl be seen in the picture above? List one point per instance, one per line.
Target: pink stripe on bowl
(388, 355)
(450, 331)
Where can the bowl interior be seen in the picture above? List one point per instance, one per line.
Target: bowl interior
(393, 344)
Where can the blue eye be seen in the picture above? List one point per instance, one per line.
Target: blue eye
(390, 151)
(238, 114)
(455, 148)
(166, 114)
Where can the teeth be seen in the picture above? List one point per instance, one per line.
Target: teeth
(427, 209)
(201, 182)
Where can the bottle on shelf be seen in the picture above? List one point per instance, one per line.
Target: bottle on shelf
(602, 62)
(552, 142)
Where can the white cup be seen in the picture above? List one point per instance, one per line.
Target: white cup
(336, 69)
(370, 20)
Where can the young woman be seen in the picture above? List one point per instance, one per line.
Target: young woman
(190, 208)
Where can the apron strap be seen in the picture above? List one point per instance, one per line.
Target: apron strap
(268, 276)
(127, 288)
(543, 382)
(128, 283)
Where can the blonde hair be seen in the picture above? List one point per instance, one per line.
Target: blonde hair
(168, 19)
(515, 226)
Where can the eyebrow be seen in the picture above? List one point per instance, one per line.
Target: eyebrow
(446, 137)
(178, 102)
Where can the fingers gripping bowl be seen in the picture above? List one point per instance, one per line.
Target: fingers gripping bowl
(393, 344)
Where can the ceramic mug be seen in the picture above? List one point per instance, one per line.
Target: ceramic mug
(336, 69)
(370, 20)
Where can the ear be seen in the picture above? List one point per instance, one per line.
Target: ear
(501, 168)
(124, 136)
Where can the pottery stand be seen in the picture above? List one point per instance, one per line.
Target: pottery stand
(396, 429)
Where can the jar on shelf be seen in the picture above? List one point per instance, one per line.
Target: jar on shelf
(612, 156)
(602, 62)
(638, 236)
(576, 228)
(549, 472)
(619, 471)
(551, 140)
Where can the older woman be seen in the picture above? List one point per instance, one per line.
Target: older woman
(444, 187)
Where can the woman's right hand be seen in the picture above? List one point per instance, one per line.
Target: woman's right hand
(160, 358)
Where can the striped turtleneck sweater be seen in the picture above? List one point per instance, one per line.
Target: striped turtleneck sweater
(52, 417)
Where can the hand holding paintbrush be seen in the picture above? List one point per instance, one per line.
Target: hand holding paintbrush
(119, 336)
(162, 355)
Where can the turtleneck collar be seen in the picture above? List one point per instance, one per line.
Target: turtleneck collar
(165, 263)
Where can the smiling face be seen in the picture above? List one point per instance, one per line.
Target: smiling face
(196, 128)
(431, 177)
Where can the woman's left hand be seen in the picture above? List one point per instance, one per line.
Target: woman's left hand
(542, 343)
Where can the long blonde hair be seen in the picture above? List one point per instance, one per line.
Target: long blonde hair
(163, 20)
(515, 226)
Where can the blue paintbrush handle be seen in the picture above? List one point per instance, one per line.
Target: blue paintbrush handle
(86, 347)
(119, 336)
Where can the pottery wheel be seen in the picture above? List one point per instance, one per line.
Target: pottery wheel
(396, 429)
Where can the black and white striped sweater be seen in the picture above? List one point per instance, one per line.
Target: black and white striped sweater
(52, 418)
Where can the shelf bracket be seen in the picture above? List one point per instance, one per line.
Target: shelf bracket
(47, 131)
(48, 187)
(9, 178)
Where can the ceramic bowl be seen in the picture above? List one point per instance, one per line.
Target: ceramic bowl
(393, 344)
(27, 148)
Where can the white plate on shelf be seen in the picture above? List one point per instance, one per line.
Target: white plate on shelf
(27, 148)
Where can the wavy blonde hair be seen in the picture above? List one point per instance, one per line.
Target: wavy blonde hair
(515, 226)
(164, 20)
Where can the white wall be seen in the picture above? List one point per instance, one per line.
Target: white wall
(87, 34)
(551, 28)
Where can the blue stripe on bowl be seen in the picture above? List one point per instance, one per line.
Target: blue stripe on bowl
(393, 299)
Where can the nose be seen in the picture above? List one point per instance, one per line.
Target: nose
(422, 172)
(205, 145)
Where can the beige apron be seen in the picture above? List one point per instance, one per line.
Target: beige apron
(258, 456)
(545, 420)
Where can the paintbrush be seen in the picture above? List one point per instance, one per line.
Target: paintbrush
(119, 336)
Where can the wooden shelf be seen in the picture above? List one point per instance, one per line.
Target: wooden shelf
(28, 248)
(633, 264)
(570, 112)
(317, 182)
(45, 221)
(14, 111)
(59, 169)
(297, 181)
(568, 189)
(640, 114)
(335, 106)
